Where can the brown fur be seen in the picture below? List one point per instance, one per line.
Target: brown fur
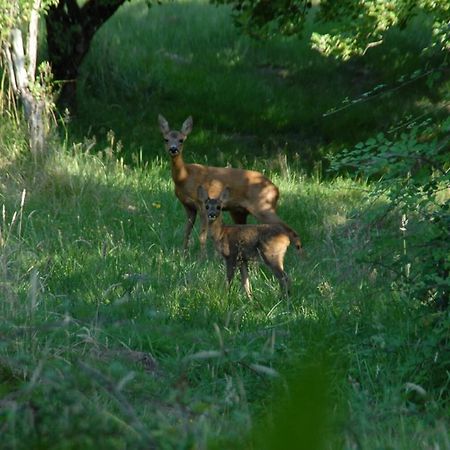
(240, 243)
(250, 192)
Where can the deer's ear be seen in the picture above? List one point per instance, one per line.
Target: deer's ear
(163, 124)
(225, 195)
(201, 193)
(187, 126)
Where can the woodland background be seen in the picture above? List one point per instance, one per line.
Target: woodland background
(110, 338)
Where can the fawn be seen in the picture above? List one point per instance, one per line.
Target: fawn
(250, 192)
(240, 243)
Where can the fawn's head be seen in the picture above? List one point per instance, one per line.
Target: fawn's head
(212, 207)
(174, 140)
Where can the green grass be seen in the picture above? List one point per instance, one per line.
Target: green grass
(105, 325)
(110, 338)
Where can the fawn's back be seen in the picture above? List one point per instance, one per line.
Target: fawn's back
(252, 241)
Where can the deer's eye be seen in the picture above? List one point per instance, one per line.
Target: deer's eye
(180, 141)
(166, 140)
(207, 206)
(219, 208)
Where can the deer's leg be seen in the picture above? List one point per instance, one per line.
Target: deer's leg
(264, 215)
(231, 269)
(239, 216)
(191, 215)
(244, 278)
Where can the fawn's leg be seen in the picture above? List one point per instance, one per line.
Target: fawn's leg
(231, 269)
(283, 279)
(275, 263)
(245, 281)
(191, 215)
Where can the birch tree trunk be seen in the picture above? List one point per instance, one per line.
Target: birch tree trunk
(22, 75)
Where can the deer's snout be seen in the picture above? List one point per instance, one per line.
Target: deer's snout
(212, 210)
(213, 214)
(173, 149)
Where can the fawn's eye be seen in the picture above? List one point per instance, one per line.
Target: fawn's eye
(219, 208)
(166, 140)
(207, 206)
(180, 141)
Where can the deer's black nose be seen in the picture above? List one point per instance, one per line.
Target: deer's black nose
(173, 149)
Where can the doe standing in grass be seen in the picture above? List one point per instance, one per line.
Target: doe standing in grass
(250, 192)
(240, 243)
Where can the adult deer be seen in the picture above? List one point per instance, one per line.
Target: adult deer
(238, 244)
(250, 192)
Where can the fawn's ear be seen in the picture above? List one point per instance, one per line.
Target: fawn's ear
(225, 195)
(186, 128)
(163, 124)
(201, 193)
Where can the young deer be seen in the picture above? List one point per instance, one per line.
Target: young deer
(240, 243)
(250, 192)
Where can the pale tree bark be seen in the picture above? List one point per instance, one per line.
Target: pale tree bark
(32, 46)
(22, 75)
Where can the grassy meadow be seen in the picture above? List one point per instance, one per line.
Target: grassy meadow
(110, 338)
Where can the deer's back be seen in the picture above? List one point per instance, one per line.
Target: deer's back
(248, 188)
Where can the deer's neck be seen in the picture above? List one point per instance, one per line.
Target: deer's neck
(179, 170)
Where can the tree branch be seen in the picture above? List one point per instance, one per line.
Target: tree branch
(95, 13)
(12, 75)
(18, 59)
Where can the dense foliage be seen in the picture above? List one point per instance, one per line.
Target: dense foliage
(410, 210)
(17, 14)
(359, 25)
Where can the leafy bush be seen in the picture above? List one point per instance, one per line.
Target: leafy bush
(410, 209)
(413, 172)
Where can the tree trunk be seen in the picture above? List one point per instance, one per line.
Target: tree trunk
(70, 29)
(22, 81)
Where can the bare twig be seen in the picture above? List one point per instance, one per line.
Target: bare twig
(371, 45)
(10, 66)
(381, 93)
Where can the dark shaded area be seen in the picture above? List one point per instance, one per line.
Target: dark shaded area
(70, 29)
